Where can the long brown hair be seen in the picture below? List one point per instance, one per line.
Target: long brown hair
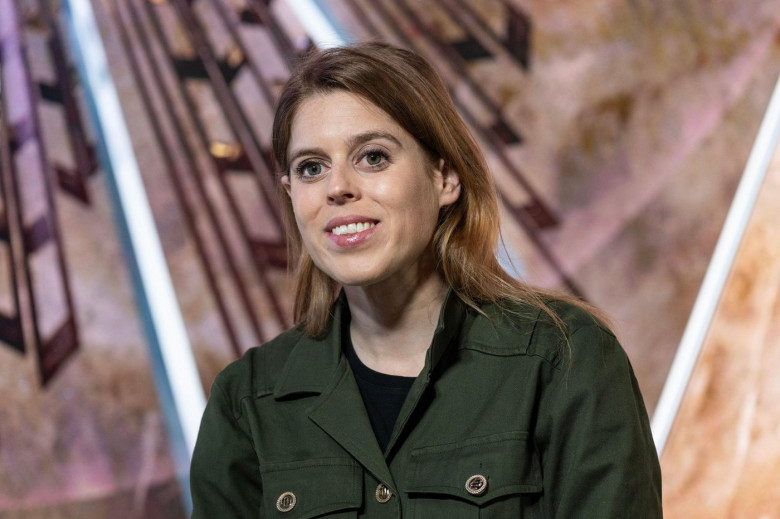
(405, 86)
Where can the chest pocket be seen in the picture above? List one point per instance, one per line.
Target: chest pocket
(331, 488)
(495, 476)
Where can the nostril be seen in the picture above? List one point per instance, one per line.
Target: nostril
(341, 196)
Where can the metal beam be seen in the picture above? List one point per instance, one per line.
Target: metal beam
(176, 376)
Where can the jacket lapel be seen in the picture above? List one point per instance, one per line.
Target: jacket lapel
(453, 313)
(318, 366)
(340, 412)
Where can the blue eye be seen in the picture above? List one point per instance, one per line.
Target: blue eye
(308, 169)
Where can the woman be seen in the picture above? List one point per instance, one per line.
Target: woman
(421, 380)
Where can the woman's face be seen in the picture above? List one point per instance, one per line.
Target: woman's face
(366, 196)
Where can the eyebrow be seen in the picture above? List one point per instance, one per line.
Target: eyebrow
(362, 138)
(353, 142)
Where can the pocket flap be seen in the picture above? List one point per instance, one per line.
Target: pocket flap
(494, 465)
(306, 489)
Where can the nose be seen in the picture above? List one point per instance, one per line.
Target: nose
(342, 185)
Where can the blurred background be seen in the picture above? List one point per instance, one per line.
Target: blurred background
(618, 132)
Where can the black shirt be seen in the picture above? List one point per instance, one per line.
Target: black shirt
(383, 394)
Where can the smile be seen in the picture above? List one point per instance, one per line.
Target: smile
(352, 228)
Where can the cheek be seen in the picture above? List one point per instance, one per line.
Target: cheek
(302, 206)
(304, 219)
(426, 199)
(415, 192)
(421, 213)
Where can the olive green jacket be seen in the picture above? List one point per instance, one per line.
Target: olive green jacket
(549, 429)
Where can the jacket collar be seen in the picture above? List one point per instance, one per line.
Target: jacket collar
(449, 327)
(313, 363)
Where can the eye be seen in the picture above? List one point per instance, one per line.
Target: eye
(308, 169)
(375, 158)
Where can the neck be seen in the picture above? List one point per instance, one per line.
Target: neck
(392, 326)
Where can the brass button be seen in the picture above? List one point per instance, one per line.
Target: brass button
(383, 494)
(286, 502)
(476, 485)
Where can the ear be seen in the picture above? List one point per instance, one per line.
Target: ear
(285, 179)
(449, 183)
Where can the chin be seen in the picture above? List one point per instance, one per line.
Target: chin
(354, 278)
(357, 281)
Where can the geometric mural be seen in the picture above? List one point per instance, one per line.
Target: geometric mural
(41, 317)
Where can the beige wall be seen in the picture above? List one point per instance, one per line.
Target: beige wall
(722, 459)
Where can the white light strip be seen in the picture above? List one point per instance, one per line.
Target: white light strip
(717, 272)
(156, 287)
(316, 23)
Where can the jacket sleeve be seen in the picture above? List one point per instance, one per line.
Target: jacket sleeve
(224, 475)
(598, 456)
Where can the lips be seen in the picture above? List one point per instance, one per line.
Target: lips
(352, 230)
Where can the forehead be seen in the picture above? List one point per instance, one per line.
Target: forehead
(339, 114)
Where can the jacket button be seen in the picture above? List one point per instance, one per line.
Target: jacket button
(286, 502)
(476, 485)
(383, 494)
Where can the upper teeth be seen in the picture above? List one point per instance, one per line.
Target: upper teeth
(352, 228)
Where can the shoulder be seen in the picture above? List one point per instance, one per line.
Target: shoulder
(256, 372)
(529, 329)
(577, 322)
(584, 338)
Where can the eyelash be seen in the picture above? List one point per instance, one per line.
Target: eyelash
(300, 168)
